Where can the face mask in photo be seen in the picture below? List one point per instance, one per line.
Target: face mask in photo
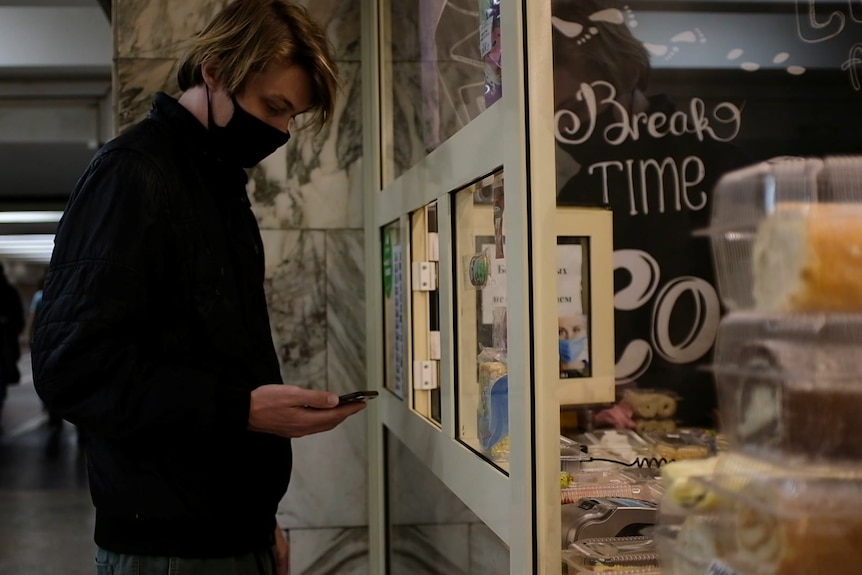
(571, 349)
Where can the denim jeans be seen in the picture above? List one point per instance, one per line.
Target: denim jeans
(110, 563)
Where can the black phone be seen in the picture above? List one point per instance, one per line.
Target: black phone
(357, 396)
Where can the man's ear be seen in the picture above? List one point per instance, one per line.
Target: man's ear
(208, 71)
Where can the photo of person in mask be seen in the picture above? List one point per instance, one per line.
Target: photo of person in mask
(655, 166)
(153, 334)
(574, 346)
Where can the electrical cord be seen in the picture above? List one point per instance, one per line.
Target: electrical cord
(648, 462)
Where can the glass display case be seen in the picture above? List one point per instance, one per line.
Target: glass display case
(541, 251)
(439, 69)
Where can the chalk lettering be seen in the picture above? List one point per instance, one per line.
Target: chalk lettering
(697, 120)
(654, 185)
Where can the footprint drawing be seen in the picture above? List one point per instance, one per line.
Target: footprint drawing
(779, 58)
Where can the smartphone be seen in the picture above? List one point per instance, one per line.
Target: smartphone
(357, 396)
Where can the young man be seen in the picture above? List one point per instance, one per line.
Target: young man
(154, 336)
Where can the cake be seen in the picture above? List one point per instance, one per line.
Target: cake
(808, 257)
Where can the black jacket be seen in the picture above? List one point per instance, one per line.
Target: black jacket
(153, 332)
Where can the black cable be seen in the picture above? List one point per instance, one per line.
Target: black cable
(650, 462)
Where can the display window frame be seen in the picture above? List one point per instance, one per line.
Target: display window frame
(522, 507)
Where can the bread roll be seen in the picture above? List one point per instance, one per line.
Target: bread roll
(808, 257)
(666, 406)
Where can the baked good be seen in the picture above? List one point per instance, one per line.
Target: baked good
(699, 541)
(665, 406)
(792, 530)
(651, 404)
(489, 372)
(823, 423)
(681, 486)
(796, 398)
(808, 257)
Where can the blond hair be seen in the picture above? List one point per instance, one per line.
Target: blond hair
(247, 35)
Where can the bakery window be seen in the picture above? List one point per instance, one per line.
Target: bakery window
(440, 69)
(425, 312)
(480, 275)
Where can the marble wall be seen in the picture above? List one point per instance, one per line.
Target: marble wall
(308, 200)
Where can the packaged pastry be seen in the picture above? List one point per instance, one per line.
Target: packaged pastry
(808, 257)
(784, 526)
(632, 555)
(787, 530)
(489, 372)
(682, 489)
(784, 235)
(692, 546)
(789, 385)
(679, 445)
(608, 483)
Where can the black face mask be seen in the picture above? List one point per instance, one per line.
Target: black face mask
(245, 138)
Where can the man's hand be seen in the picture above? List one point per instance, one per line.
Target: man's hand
(291, 411)
(281, 551)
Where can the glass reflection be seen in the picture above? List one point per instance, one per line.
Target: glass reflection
(654, 102)
(441, 68)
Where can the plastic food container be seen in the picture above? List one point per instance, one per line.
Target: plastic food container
(791, 384)
(681, 445)
(769, 526)
(635, 555)
(572, 456)
(609, 483)
(621, 445)
(786, 235)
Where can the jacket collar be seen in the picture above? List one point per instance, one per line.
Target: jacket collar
(168, 111)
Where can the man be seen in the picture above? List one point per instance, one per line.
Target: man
(154, 336)
(11, 326)
(658, 182)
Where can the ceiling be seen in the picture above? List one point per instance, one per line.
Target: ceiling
(55, 110)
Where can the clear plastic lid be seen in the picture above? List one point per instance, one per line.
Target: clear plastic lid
(791, 384)
(621, 445)
(785, 235)
(681, 445)
(629, 483)
(646, 491)
(768, 526)
(615, 554)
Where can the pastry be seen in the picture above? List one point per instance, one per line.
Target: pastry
(646, 406)
(792, 530)
(808, 257)
(665, 406)
(684, 491)
(796, 398)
